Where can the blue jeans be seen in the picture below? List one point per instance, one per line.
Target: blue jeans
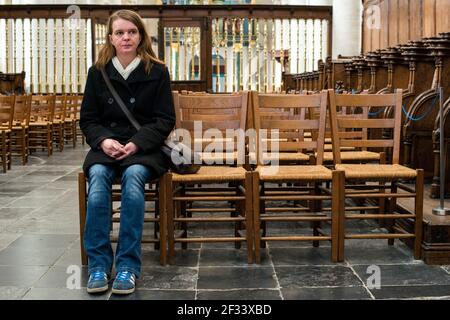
(98, 221)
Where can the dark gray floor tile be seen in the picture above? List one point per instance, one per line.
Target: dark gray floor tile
(316, 276)
(68, 178)
(239, 294)
(335, 293)
(446, 269)
(183, 258)
(63, 277)
(301, 256)
(14, 213)
(236, 277)
(379, 255)
(145, 294)
(225, 257)
(37, 241)
(30, 202)
(404, 275)
(22, 277)
(47, 173)
(410, 292)
(46, 192)
(71, 256)
(63, 294)
(6, 199)
(169, 277)
(28, 256)
(12, 293)
(15, 187)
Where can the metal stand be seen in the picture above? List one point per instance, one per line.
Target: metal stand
(441, 211)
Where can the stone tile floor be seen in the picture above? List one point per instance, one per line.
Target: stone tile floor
(40, 255)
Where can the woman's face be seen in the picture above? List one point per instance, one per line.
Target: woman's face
(125, 37)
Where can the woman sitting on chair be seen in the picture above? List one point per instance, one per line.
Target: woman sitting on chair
(119, 150)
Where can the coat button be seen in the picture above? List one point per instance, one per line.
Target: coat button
(110, 100)
(113, 124)
(132, 100)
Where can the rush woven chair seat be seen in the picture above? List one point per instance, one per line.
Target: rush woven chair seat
(388, 180)
(218, 194)
(301, 199)
(154, 215)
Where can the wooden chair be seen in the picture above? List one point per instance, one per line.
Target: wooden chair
(305, 180)
(72, 117)
(289, 152)
(387, 176)
(19, 134)
(222, 112)
(77, 121)
(154, 215)
(6, 122)
(59, 118)
(350, 154)
(41, 123)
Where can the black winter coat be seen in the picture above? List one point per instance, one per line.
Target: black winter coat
(148, 97)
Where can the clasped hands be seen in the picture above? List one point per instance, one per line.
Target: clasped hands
(118, 151)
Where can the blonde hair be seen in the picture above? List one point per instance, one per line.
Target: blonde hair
(144, 49)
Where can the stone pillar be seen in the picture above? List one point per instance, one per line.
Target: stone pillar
(347, 19)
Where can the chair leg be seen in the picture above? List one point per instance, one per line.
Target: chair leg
(82, 198)
(256, 217)
(392, 206)
(169, 217)
(337, 215)
(249, 215)
(4, 160)
(9, 151)
(162, 221)
(341, 187)
(418, 208)
(314, 207)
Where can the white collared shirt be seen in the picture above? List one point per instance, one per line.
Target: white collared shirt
(130, 68)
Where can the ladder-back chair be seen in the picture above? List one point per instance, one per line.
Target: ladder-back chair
(305, 181)
(154, 215)
(6, 122)
(41, 123)
(219, 182)
(388, 178)
(19, 134)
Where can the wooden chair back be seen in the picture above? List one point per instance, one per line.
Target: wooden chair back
(215, 111)
(42, 108)
(351, 130)
(22, 109)
(6, 111)
(287, 113)
(60, 108)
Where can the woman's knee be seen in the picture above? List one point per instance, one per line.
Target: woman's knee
(136, 172)
(100, 174)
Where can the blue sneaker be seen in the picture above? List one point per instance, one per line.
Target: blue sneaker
(124, 283)
(98, 282)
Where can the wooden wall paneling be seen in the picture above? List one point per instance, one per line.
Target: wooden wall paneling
(366, 34)
(393, 22)
(442, 16)
(416, 19)
(429, 18)
(403, 21)
(384, 31)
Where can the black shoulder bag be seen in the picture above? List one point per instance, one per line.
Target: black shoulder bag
(182, 159)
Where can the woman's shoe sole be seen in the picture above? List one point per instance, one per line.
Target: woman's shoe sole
(119, 291)
(97, 290)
